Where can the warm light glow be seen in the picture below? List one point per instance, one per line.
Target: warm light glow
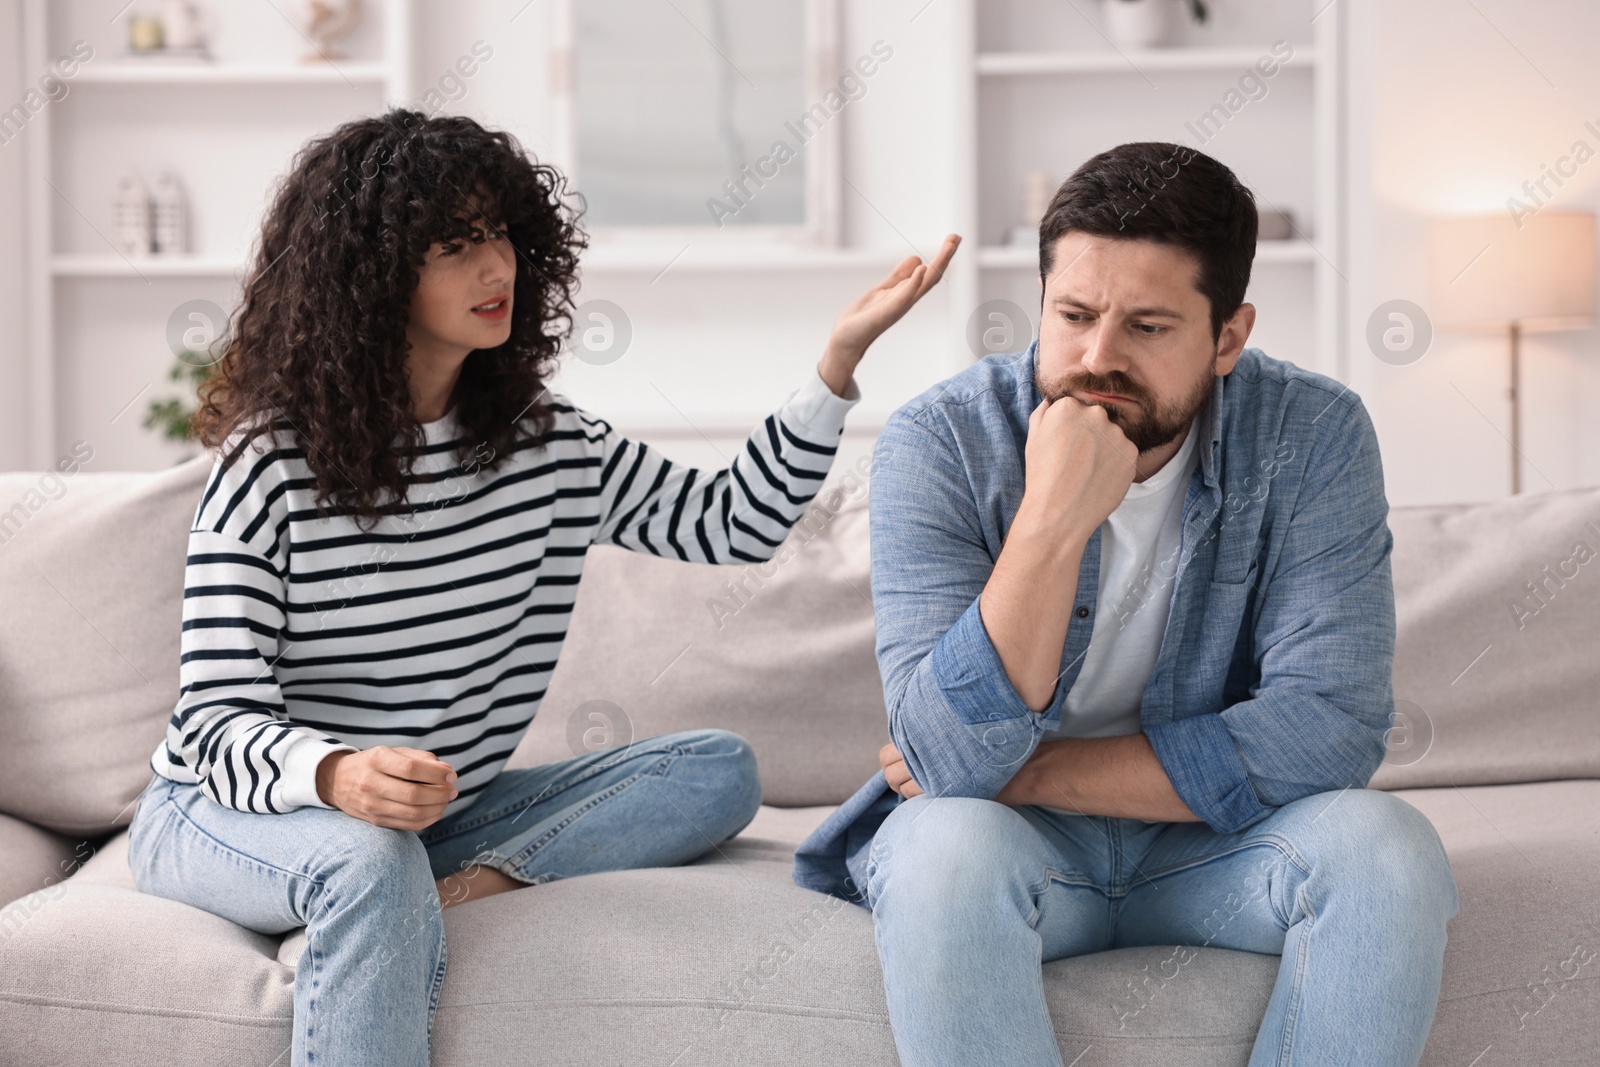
(1487, 271)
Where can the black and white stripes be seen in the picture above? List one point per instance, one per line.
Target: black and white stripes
(438, 630)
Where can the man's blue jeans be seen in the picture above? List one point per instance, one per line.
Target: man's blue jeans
(368, 982)
(1352, 888)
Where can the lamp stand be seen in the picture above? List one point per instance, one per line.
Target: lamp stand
(1516, 423)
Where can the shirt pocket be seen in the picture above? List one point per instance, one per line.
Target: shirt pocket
(1227, 653)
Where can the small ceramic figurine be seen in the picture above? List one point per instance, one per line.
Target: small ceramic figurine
(327, 22)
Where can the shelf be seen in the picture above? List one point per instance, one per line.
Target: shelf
(1132, 60)
(114, 266)
(1295, 251)
(1009, 257)
(155, 72)
(603, 258)
(708, 257)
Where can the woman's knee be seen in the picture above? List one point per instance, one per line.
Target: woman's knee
(723, 764)
(360, 860)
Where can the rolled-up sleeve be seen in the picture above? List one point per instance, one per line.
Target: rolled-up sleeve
(1323, 642)
(954, 716)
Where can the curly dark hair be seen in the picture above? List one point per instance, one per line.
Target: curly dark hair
(318, 344)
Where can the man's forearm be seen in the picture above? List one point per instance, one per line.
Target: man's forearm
(1115, 776)
(1026, 606)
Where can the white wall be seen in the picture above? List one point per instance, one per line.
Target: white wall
(1456, 106)
(712, 353)
(1452, 107)
(13, 340)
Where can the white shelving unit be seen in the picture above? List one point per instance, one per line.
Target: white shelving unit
(1016, 84)
(69, 258)
(600, 257)
(1121, 62)
(154, 72)
(1025, 106)
(1015, 257)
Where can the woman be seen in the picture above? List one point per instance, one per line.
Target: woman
(383, 563)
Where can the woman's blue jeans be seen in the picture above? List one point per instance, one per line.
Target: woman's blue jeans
(368, 982)
(969, 896)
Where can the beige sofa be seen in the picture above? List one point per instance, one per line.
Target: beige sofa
(727, 961)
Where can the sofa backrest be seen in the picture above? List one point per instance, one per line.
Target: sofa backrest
(1497, 647)
(781, 653)
(1492, 683)
(1496, 677)
(91, 572)
(91, 579)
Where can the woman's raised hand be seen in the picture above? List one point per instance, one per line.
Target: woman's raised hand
(876, 310)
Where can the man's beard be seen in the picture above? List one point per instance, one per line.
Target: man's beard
(1145, 424)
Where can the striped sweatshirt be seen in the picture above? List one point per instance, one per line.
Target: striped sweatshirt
(438, 629)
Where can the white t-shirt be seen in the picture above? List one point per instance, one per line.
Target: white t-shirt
(1138, 567)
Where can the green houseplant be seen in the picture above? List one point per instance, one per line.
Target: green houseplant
(172, 416)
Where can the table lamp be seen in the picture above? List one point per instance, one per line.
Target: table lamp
(1521, 275)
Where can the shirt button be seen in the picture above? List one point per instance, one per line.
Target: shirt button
(1083, 612)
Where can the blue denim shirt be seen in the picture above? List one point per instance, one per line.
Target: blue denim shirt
(1274, 677)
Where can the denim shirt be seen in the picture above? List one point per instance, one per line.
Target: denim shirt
(1274, 677)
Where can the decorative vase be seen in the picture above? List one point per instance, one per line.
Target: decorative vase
(1037, 192)
(171, 216)
(1140, 23)
(131, 215)
(180, 25)
(144, 33)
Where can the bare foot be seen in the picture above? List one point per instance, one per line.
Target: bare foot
(471, 883)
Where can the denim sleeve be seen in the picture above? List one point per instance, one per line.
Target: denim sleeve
(953, 714)
(1324, 646)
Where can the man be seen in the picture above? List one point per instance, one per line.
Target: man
(1136, 627)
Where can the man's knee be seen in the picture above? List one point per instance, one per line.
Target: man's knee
(947, 851)
(1391, 846)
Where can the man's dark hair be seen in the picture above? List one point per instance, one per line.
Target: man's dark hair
(1168, 193)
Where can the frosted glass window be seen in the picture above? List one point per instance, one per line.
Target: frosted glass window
(673, 99)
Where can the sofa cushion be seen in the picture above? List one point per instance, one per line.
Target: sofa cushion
(1497, 608)
(32, 858)
(89, 665)
(780, 653)
(1522, 960)
(729, 961)
(725, 960)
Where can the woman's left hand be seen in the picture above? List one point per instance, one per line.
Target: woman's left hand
(876, 310)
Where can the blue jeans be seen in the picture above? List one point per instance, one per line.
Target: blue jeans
(367, 985)
(1352, 888)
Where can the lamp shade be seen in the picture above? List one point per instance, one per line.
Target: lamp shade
(1488, 271)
